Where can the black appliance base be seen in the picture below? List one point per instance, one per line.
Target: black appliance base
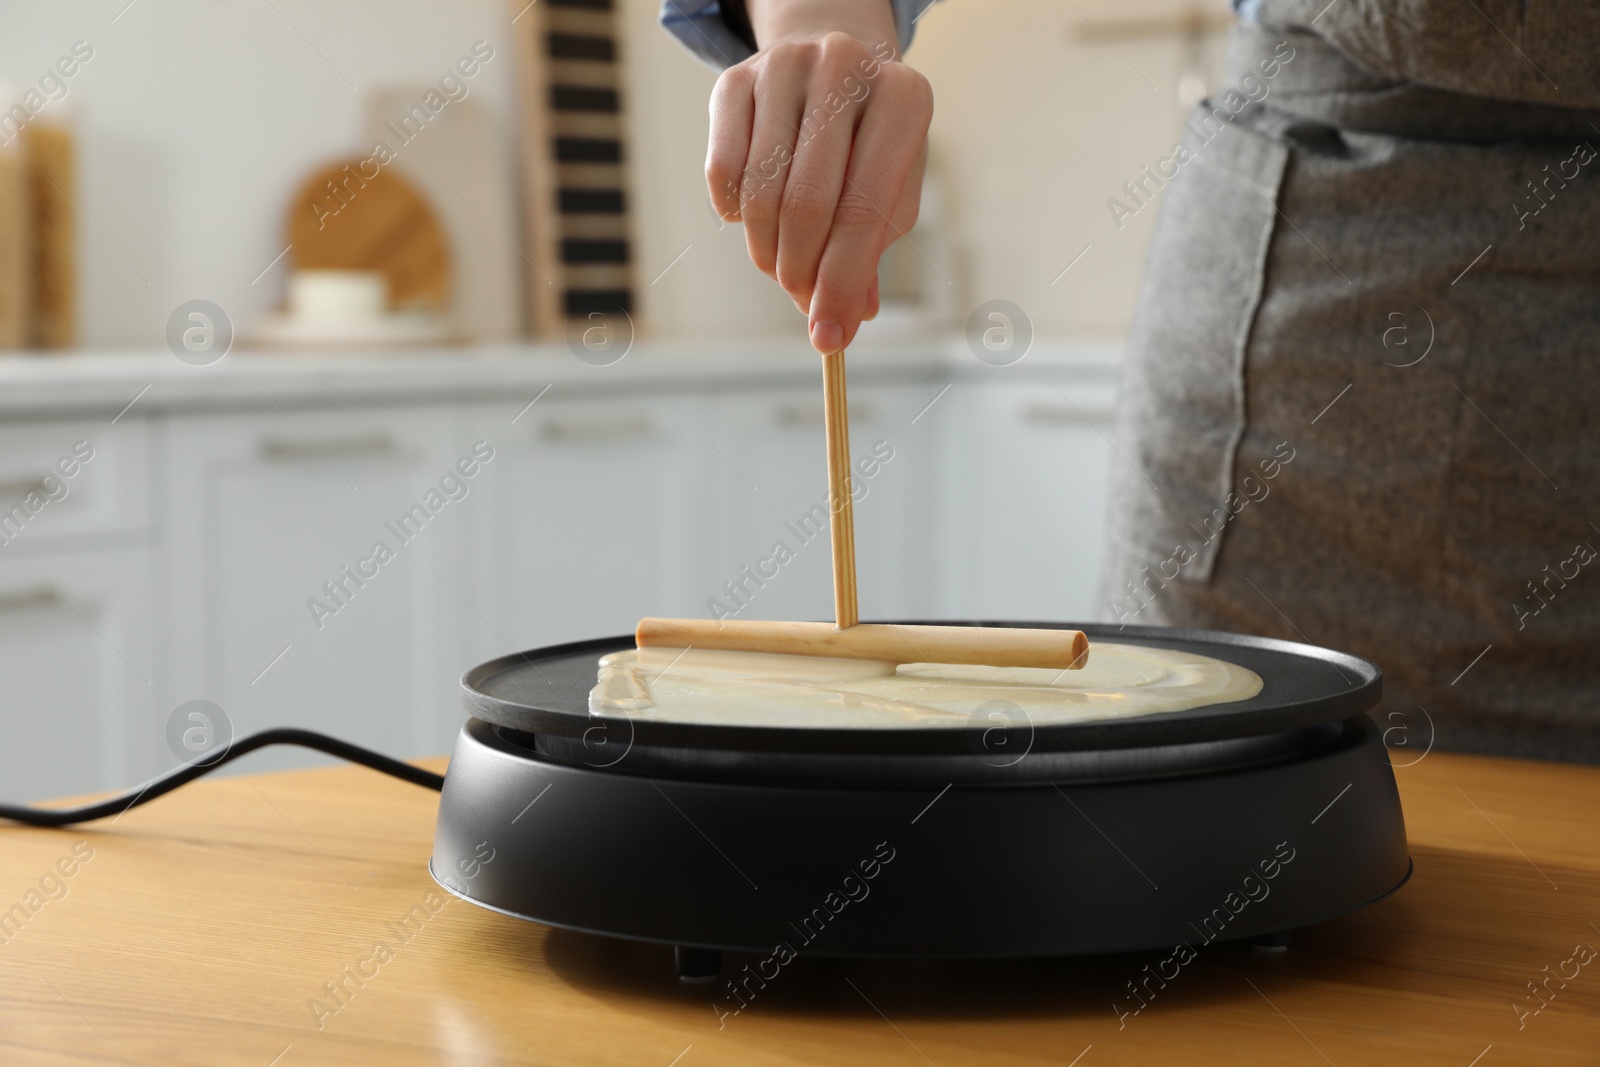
(1242, 852)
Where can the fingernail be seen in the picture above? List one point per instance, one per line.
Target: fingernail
(827, 337)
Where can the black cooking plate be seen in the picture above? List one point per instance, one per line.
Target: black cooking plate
(546, 691)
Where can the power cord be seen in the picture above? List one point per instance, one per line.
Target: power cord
(190, 771)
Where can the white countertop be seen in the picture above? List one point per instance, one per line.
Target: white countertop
(41, 384)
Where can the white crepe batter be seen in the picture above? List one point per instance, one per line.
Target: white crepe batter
(754, 689)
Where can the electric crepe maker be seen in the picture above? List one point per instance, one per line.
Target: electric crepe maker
(1237, 821)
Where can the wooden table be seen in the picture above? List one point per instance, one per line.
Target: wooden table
(205, 923)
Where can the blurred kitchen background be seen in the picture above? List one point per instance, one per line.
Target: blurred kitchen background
(241, 346)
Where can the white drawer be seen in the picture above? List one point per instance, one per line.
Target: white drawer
(62, 479)
(77, 710)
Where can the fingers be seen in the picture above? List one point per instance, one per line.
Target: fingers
(780, 97)
(834, 106)
(818, 146)
(733, 109)
(904, 216)
(887, 153)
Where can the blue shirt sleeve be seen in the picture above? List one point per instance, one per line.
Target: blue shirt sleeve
(698, 25)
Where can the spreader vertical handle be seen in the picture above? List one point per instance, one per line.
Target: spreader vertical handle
(836, 424)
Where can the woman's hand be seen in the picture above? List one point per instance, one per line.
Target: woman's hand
(818, 144)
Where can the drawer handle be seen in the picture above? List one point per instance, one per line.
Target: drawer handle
(29, 599)
(22, 487)
(1054, 415)
(621, 429)
(811, 414)
(287, 449)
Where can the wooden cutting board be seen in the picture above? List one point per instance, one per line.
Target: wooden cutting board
(16, 243)
(343, 219)
(55, 235)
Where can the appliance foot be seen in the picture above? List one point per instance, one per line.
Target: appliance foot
(1275, 942)
(697, 965)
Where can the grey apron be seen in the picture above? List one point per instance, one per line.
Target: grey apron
(1359, 405)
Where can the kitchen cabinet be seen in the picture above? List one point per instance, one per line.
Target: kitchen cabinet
(771, 531)
(1029, 520)
(280, 606)
(71, 482)
(773, 557)
(595, 514)
(903, 559)
(77, 708)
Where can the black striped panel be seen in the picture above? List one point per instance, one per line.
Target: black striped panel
(582, 98)
(593, 250)
(588, 150)
(582, 46)
(591, 201)
(583, 301)
(589, 252)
